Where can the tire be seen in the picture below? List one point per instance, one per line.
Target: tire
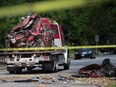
(48, 67)
(29, 68)
(11, 72)
(92, 56)
(18, 70)
(77, 57)
(67, 66)
(112, 51)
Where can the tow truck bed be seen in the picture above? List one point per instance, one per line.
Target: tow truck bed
(34, 52)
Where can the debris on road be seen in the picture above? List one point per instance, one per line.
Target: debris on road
(62, 78)
(48, 79)
(81, 75)
(95, 70)
(34, 79)
(108, 69)
(92, 70)
(113, 78)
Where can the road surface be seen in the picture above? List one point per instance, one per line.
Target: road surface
(51, 79)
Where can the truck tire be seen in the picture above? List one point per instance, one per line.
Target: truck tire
(18, 70)
(29, 68)
(50, 67)
(11, 72)
(67, 66)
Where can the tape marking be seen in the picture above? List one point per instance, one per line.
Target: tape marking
(57, 48)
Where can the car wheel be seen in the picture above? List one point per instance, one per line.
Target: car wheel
(92, 57)
(77, 57)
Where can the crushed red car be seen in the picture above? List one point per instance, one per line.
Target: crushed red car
(34, 31)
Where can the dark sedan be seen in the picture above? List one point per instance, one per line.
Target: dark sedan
(84, 53)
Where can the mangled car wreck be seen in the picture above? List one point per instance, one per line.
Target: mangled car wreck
(94, 70)
(34, 31)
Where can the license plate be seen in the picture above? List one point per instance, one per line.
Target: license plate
(82, 55)
(46, 58)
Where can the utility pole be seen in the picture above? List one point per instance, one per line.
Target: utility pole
(96, 41)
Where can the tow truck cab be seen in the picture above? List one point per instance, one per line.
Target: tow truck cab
(58, 35)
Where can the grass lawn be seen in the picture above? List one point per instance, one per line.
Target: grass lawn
(114, 85)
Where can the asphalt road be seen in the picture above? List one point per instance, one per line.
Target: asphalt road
(75, 66)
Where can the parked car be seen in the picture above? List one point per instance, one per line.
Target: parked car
(84, 53)
(108, 50)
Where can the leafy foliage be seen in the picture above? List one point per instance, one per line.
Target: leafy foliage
(80, 25)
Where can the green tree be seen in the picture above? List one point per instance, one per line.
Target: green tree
(80, 25)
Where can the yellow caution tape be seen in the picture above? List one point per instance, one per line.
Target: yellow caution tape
(45, 6)
(56, 48)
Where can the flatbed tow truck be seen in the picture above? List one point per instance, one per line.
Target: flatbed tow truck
(48, 60)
